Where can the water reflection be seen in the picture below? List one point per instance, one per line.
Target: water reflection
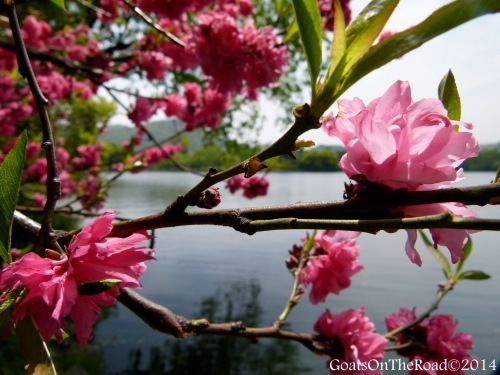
(220, 355)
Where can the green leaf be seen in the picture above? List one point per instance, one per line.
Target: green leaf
(442, 20)
(441, 258)
(467, 252)
(10, 177)
(337, 53)
(9, 300)
(449, 96)
(353, 43)
(473, 275)
(292, 32)
(366, 28)
(95, 287)
(311, 34)
(59, 4)
(36, 354)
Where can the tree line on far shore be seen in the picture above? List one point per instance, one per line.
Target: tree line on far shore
(316, 159)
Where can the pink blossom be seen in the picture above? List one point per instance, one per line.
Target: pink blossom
(234, 183)
(32, 149)
(237, 58)
(255, 186)
(197, 107)
(434, 341)
(350, 337)
(111, 9)
(35, 32)
(52, 285)
(399, 143)
(36, 171)
(453, 239)
(154, 63)
(90, 194)
(143, 110)
(334, 262)
(327, 10)
(89, 156)
(402, 144)
(153, 155)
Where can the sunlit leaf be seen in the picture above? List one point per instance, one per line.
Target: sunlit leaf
(59, 4)
(36, 354)
(449, 96)
(8, 303)
(95, 287)
(292, 32)
(10, 180)
(473, 275)
(441, 258)
(311, 33)
(351, 44)
(442, 20)
(467, 252)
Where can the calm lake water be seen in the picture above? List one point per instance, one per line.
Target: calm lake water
(223, 275)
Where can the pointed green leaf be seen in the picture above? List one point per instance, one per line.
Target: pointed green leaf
(10, 177)
(59, 4)
(442, 20)
(467, 252)
(443, 261)
(449, 96)
(366, 28)
(353, 43)
(339, 42)
(292, 32)
(9, 300)
(36, 354)
(311, 34)
(95, 287)
(473, 275)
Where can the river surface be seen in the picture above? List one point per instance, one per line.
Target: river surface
(220, 274)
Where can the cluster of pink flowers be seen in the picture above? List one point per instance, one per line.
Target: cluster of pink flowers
(396, 142)
(85, 185)
(55, 286)
(349, 338)
(197, 107)
(234, 59)
(153, 155)
(432, 341)
(252, 187)
(233, 56)
(333, 261)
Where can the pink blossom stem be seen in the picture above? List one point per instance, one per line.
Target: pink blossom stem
(296, 292)
(53, 183)
(442, 291)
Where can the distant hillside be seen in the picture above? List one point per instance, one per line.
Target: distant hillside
(161, 130)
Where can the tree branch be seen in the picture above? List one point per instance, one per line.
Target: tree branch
(70, 65)
(53, 183)
(374, 207)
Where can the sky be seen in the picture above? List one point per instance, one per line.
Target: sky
(471, 51)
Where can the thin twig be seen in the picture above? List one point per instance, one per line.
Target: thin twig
(151, 23)
(53, 183)
(442, 291)
(70, 65)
